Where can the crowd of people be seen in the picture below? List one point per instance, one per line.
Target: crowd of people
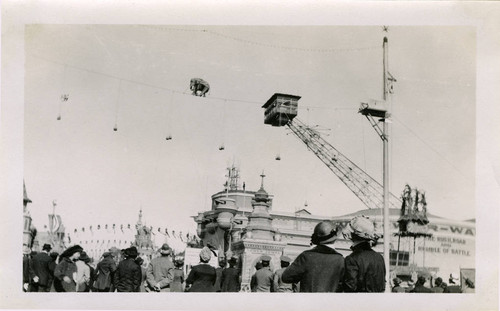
(319, 269)
(429, 285)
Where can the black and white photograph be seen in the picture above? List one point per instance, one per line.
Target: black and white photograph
(244, 159)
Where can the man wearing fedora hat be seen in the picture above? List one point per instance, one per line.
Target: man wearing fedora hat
(43, 274)
(128, 275)
(160, 271)
(320, 269)
(365, 268)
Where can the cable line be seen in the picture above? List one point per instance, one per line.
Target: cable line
(429, 146)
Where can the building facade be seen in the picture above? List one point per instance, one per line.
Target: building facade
(447, 247)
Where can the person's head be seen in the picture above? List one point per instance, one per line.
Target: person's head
(84, 257)
(285, 261)
(178, 261)
(115, 252)
(46, 247)
(469, 283)
(165, 250)
(205, 255)
(421, 280)
(397, 281)
(233, 261)
(107, 255)
(265, 261)
(222, 262)
(325, 232)
(453, 278)
(131, 252)
(258, 265)
(73, 252)
(444, 285)
(361, 229)
(139, 261)
(438, 281)
(54, 255)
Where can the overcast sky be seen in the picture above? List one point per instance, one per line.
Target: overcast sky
(138, 77)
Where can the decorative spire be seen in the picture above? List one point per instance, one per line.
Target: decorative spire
(139, 222)
(262, 182)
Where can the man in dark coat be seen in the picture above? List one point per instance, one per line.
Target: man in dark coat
(364, 268)
(52, 268)
(67, 267)
(128, 275)
(320, 269)
(202, 277)
(43, 276)
(419, 286)
(28, 273)
(104, 273)
(218, 272)
(231, 277)
(263, 281)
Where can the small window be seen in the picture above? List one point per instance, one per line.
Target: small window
(403, 260)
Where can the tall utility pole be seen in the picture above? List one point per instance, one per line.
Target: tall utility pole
(371, 113)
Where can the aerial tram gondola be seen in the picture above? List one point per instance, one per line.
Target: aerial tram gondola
(199, 87)
(64, 98)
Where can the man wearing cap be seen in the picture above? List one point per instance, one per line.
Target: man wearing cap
(320, 269)
(43, 275)
(128, 275)
(263, 281)
(365, 268)
(278, 284)
(160, 271)
(453, 286)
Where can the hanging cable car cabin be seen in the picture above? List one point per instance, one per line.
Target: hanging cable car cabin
(280, 109)
(199, 87)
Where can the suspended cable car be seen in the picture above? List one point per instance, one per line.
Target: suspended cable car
(64, 98)
(278, 158)
(199, 87)
(169, 137)
(221, 147)
(115, 128)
